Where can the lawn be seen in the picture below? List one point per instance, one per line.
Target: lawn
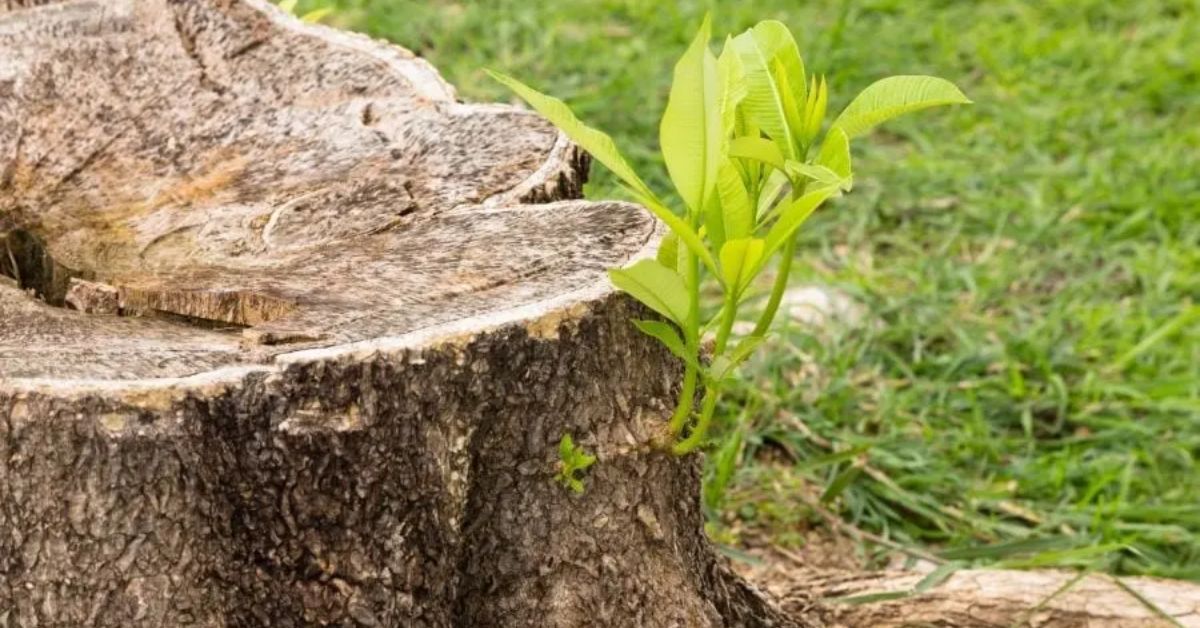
(1025, 388)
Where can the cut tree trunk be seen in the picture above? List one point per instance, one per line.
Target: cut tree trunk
(294, 336)
(289, 336)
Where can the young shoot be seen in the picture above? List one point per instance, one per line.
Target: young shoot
(746, 146)
(572, 462)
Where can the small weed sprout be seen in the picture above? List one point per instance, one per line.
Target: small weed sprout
(572, 461)
(742, 140)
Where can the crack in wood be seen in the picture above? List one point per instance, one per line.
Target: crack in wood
(188, 42)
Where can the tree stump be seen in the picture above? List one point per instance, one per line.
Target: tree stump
(289, 336)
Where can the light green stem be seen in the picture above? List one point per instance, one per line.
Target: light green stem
(700, 432)
(683, 409)
(728, 316)
(712, 392)
(777, 290)
(781, 279)
(691, 333)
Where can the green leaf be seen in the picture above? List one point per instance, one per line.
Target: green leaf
(893, 96)
(583, 461)
(817, 173)
(605, 151)
(769, 52)
(793, 106)
(655, 285)
(737, 212)
(682, 231)
(572, 460)
(840, 483)
(566, 448)
(714, 222)
(758, 149)
(937, 576)
(792, 216)
(666, 334)
(599, 144)
(814, 110)
(740, 260)
(690, 132)
(771, 192)
(835, 152)
(668, 251)
(316, 15)
(833, 458)
(744, 126)
(1077, 556)
(1008, 549)
(733, 87)
(288, 6)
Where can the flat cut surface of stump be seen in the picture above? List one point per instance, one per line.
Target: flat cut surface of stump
(242, 185)
(289, 337)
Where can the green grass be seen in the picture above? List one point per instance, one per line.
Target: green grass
(1034, 260)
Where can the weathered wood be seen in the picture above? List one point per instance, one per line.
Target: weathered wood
(997, 598)
(324, 328)
(223, 163)
(289, 335)
(406, 483)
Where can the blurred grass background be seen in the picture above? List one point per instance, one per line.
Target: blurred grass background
(1026, 388)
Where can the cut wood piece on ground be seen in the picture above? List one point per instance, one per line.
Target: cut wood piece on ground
(1002, 598)
(844, 594)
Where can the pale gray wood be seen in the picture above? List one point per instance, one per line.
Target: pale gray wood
(225, 163)
(998, 598)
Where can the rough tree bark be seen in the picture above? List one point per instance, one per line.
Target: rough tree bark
(327, 327)
(289, 337)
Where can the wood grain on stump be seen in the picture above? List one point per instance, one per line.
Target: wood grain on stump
(289, 335)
